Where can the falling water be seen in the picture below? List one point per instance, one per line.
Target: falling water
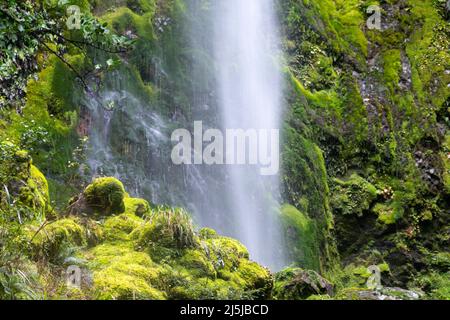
(249, 90)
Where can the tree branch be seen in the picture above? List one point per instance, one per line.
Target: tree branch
(77, 74)
(77, 43)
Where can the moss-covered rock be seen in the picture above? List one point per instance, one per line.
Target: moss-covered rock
(138, 207)
(207, 233)
(36, 193)
(22, 182)
(306, 187)
(225, 253)
(159, 255)
(300, 233)
(55, 239)
(353, 195)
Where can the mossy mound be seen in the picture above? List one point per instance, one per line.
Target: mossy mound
(50, 240)
(105, 196)
(353, 195)
(120, 273)
(165, 266)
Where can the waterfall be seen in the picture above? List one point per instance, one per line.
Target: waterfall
(235, 84)
(249, 92)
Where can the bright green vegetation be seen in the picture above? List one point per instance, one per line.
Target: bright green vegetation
(301, 237)
(105, 195)
(365, 151)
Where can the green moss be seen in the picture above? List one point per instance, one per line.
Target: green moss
(225, 253)
(138, 207)
(105, 196)
(386, 214)
(216, 268)
(51, 240)
(102, 254)
(169, 228)
(319, 297)
(207, 233)
(34, 194)
(123, 19)
(392, 66)
(350, 294)
(338, 22)
(257, 279)
(190, 278)
(306, 185)
(39, 183)
(22, 182)
(427, 50)
(119, 228)
(299, 284)
(120, 273)
(377, 137)
(352, 196)
(437, 284)
(45, 128)
(205, 289)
